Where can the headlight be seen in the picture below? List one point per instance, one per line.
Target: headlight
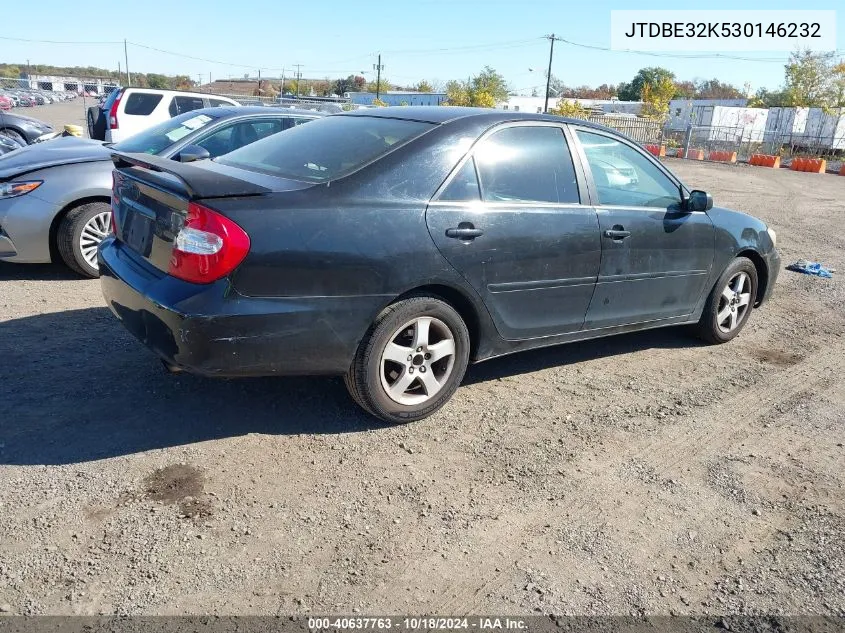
(14, 189)
(773, 235)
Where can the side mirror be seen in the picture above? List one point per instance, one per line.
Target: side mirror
(190, 153)
(699, 201)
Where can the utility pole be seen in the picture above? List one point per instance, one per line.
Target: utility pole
(126, 59)
(298, 78)
(282, 87)
(378, 68)
(199, 79)
(552, 39)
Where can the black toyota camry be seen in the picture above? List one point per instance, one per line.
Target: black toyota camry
(394, 246)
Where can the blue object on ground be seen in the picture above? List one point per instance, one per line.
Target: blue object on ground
(811, 268)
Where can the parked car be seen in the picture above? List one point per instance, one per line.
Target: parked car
(23, 129)
(133, 110)
(6, 103)
(70, 178)
(395, 245)
(97, 115)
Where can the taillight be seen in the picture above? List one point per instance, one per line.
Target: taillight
(113, 112)
(115, 200)
(208, 247)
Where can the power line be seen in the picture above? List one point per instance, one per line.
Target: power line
(778, 60)
(23, 39)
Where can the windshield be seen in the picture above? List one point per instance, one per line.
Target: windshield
(327, 148)
(158, 138)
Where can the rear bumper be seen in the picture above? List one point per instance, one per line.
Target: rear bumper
(212, 331)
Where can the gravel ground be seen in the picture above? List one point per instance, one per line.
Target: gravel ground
(642, 474)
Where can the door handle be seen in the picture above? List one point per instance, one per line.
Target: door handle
(464, 233)
(617, 234)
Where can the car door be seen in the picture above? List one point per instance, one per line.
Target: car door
(510, 220)
(655, 256)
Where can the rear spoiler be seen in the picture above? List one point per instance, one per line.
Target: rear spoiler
(199, 182)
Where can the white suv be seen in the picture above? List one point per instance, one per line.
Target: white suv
(136, 109)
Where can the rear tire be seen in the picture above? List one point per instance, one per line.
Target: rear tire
(411, 361)
(729, 304)
(15, 136)
(80, 232)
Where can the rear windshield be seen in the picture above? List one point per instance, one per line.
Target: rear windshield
(141, 103)
(325, 149)
(159, 137)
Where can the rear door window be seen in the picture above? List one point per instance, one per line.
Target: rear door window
(216, 103)
(182, 104)
(526, 164)
(141, 103)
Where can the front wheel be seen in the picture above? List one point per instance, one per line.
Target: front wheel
(411, 360)
(730, 302)
(80, 233)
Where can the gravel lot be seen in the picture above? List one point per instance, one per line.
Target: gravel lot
(60, 114)
(643, 474)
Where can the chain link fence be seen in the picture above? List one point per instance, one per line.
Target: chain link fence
(746, 142)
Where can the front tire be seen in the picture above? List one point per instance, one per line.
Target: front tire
(730, 303)
(80, 233)
(411, 361)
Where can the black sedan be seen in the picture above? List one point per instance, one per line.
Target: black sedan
(393, 246)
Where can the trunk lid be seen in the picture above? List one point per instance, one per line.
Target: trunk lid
(151, 196)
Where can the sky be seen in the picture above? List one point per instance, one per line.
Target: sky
(436, 40)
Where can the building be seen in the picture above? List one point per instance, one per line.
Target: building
(604, 106)
(683, 112)
(56, 83)
(398, 98)
(810, 128)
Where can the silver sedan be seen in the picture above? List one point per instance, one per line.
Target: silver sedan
(55, 196)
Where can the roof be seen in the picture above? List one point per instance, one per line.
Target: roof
(445, 114)
(227, 111)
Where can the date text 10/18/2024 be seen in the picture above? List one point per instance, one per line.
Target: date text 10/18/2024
(417, 623)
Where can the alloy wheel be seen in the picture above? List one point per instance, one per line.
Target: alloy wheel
(94, 232)
(734, 302)
(417, 361)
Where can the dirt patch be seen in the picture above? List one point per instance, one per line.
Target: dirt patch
(780, 358)
(174, 483)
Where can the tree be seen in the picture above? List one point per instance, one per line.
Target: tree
(810, 79)
(764, 98)
(379, 86)
(457, 93)
(183, 82)
(656, 97)
(653, 76)
(159, 82)
(685, 90)
(715, 89)
(490, 82)
(351, 84)
(484, 90)
(424, 86)
(571, 109)
(839, 85)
